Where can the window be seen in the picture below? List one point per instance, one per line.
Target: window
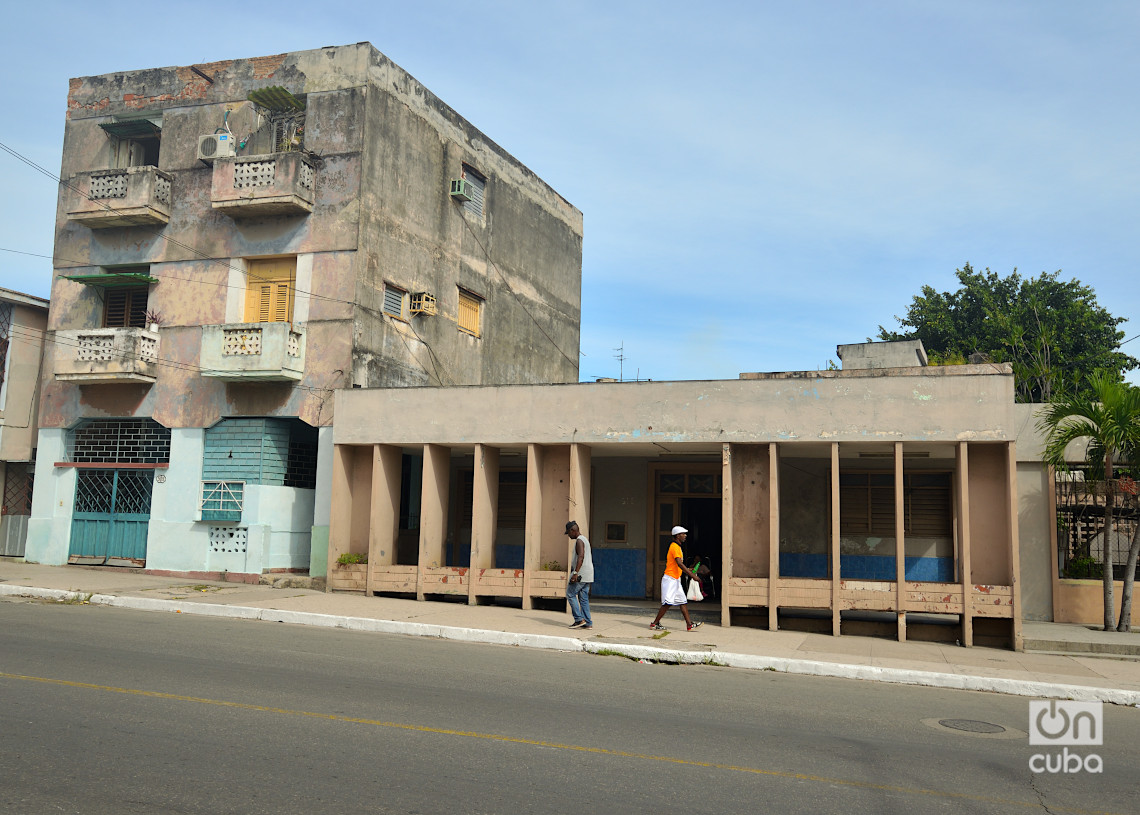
(222, 500)
(270, 292)
(394, 299)
(470, 306)
(478, 188)
(135, 139)
(136, 153)
(867, 504)
(125, 306)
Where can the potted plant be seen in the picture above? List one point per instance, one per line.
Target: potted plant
(153, 319)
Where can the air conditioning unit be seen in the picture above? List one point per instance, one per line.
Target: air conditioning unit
(423, 303)
(461, 189)
(216, 145)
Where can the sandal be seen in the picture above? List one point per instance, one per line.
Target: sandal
(656, 627)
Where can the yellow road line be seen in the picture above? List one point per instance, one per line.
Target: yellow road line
(538, 743)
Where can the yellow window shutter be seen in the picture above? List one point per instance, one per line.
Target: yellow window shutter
(270, 293)
(282, 301)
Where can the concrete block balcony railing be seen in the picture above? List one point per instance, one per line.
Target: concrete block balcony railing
(134, 196)
(106, 355)
(253, 352)
(252, 186)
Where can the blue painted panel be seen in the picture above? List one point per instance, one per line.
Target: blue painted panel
(868, 567)
(509, 556)
(932, 569)
(618, 572)
(802, 564)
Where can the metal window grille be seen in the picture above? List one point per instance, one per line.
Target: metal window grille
(477, 188)
(18, 481)
(5, 336)
(301, 465)
(123, 492)
(119, 441)
(394, 301)
(1081, 502)
(222, 500)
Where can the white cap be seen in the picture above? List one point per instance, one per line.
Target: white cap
(677, 530)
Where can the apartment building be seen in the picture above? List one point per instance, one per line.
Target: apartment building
(235, 241)
(23, 319)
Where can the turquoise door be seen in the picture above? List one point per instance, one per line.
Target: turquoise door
(112, 513)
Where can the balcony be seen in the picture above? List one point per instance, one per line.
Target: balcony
(106, 355)
(253, 352)
(134, 196)
(252, 186)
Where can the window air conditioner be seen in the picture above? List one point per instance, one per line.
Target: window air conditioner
(216, 145)
(423, 303)
(461, 189)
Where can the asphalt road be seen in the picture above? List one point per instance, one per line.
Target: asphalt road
(112, 711)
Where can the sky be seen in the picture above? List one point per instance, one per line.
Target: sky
(760, 181)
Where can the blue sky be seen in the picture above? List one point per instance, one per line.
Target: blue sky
(760, 181)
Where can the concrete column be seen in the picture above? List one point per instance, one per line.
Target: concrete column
(773, 536)
(433, 510)
(579, 507)
(900, 543)
(835, 559)
(1018, 642)
(340, 508)
(484, 515)
(728, 488)
(1054, 556)
(962, 510)
(384, 517)
(580, 459)
(532, 534)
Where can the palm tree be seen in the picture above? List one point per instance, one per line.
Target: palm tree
(1108, 422)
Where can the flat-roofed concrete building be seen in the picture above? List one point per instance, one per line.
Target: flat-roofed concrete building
(848, 498)
(234, 242)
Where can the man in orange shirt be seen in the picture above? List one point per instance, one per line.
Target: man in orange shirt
(671, 592)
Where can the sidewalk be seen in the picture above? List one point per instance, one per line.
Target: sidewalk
(1070, 671)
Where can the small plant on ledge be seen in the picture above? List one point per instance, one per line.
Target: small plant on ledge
(153, 319)
(352, 558)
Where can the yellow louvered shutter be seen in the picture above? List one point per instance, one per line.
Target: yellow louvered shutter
(468, 313)
(269, 296)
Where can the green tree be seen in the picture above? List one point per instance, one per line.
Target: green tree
(1052, 332)
(1108, 423)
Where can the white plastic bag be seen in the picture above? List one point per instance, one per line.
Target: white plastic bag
(694, 592)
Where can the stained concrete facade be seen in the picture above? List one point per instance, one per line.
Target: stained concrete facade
(766, 472)
(350, 188)
(23, 319)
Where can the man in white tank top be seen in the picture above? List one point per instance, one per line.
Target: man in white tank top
(581, 578)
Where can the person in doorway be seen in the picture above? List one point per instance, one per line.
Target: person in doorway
(671, 592)
(581, 578)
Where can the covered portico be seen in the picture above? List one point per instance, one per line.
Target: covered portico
(885, 490)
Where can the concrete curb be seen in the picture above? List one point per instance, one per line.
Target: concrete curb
(804, 667)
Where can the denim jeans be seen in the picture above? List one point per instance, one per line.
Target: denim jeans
(579, 596)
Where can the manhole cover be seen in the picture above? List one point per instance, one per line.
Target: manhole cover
(971, 726)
